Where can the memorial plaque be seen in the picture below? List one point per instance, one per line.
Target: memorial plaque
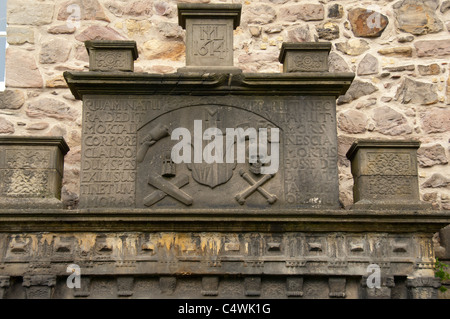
(127, 145)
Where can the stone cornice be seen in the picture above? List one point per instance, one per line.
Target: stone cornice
(303, 46)
(113, 45)
(209, 11)
(120, 83)
(140, 220)
(376, 143)
(36, 141)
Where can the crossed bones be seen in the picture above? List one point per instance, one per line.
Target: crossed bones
(165, 188)
(255, 186)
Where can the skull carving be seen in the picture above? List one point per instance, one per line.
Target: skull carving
(257, 161)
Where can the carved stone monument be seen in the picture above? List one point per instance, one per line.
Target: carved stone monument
(112, 55)
(385, 174)
(209, 36)
(305, 57)
(31, 171)
(215, 183)
(126, 139)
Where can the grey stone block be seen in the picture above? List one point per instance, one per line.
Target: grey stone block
(108, 55)
(31, 171)
(209, 35)
(305, 56)
(385, 174)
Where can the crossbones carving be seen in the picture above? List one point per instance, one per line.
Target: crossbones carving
(255, 186)
(165, 188)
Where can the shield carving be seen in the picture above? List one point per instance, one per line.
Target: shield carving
(213, 174)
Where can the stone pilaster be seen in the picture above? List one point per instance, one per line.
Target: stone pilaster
(4, 285)
(294, 286)
(381, 292)
(210, 286)
(423, 287)
(337, 286)
(39, 286)
(85, 290)
(252, 286)
(125, 286)
(167, 285)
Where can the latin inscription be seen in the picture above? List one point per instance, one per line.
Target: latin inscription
(310, 154)
(109, 151)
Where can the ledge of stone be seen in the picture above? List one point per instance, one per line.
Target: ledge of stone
(113, 45)
(209, 11)
(308, 220)
(391, 205)
(30, 203)
(376, 143)
(119, 83)
(36, 141)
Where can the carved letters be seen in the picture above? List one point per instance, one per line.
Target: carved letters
(210, 40)
(311, 154)
(109, 152)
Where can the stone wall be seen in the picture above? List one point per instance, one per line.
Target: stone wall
(398, 49)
